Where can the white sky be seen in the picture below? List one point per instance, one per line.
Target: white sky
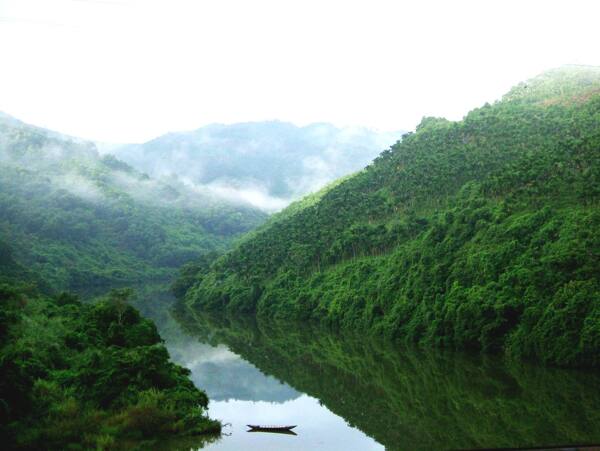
(129, 70)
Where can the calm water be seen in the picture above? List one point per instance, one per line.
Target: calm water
(351, 393)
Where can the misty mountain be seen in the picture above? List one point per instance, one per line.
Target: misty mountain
(267, 164)
(81, 220)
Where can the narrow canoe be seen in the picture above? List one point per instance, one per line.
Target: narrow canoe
(270, 428)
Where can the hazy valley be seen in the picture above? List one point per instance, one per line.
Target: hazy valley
(338, 276)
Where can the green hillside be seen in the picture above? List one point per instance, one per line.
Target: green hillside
(83, 222)
(479, 234)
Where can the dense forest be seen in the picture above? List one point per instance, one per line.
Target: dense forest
(268, 163)
(477, 234)
(95, 375)
(83, 221)
(90, 375)
(480, 234)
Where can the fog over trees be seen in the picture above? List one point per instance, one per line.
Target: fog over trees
(266, 164)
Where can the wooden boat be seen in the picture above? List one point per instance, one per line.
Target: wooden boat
(275, 429)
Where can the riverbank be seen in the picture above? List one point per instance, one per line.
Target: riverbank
(88, 376)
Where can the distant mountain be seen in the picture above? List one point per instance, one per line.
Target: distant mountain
(268, 164)
(79, 220)
(476, 234)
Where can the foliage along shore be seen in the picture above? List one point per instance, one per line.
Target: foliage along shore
(87, 376)
(478, 234)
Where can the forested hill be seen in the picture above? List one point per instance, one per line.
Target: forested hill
(82, 221)
(479, 234)
(267, 163)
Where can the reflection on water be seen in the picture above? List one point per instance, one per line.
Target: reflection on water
(225, 375)
(241, 394)
(347, 392)
(318, 428)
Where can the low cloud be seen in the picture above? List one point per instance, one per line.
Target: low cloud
(78, 186)
(256, 196)
(263, 164)
(252, 194)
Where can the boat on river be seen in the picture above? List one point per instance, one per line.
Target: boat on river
(275, 429)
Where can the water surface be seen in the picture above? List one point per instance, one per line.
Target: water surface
(349, 392)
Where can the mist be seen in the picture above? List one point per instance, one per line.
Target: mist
(47, 163)
(255, 165)
(266, 165)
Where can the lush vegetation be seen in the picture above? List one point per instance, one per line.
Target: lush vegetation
(83, 222)
(88, 376)
(94, 375)
(406, 398)
(479, 234)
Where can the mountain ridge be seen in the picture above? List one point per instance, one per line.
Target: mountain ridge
(83, 220)
(267, 163)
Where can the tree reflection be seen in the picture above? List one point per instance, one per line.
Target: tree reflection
(412, 399)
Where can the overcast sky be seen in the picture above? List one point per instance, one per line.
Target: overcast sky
(129, 70)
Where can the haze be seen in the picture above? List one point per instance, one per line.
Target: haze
(127, 71)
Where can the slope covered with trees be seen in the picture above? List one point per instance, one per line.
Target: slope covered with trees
(82, 221)
(480, 234)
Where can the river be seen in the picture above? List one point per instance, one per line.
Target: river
(348, 392)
